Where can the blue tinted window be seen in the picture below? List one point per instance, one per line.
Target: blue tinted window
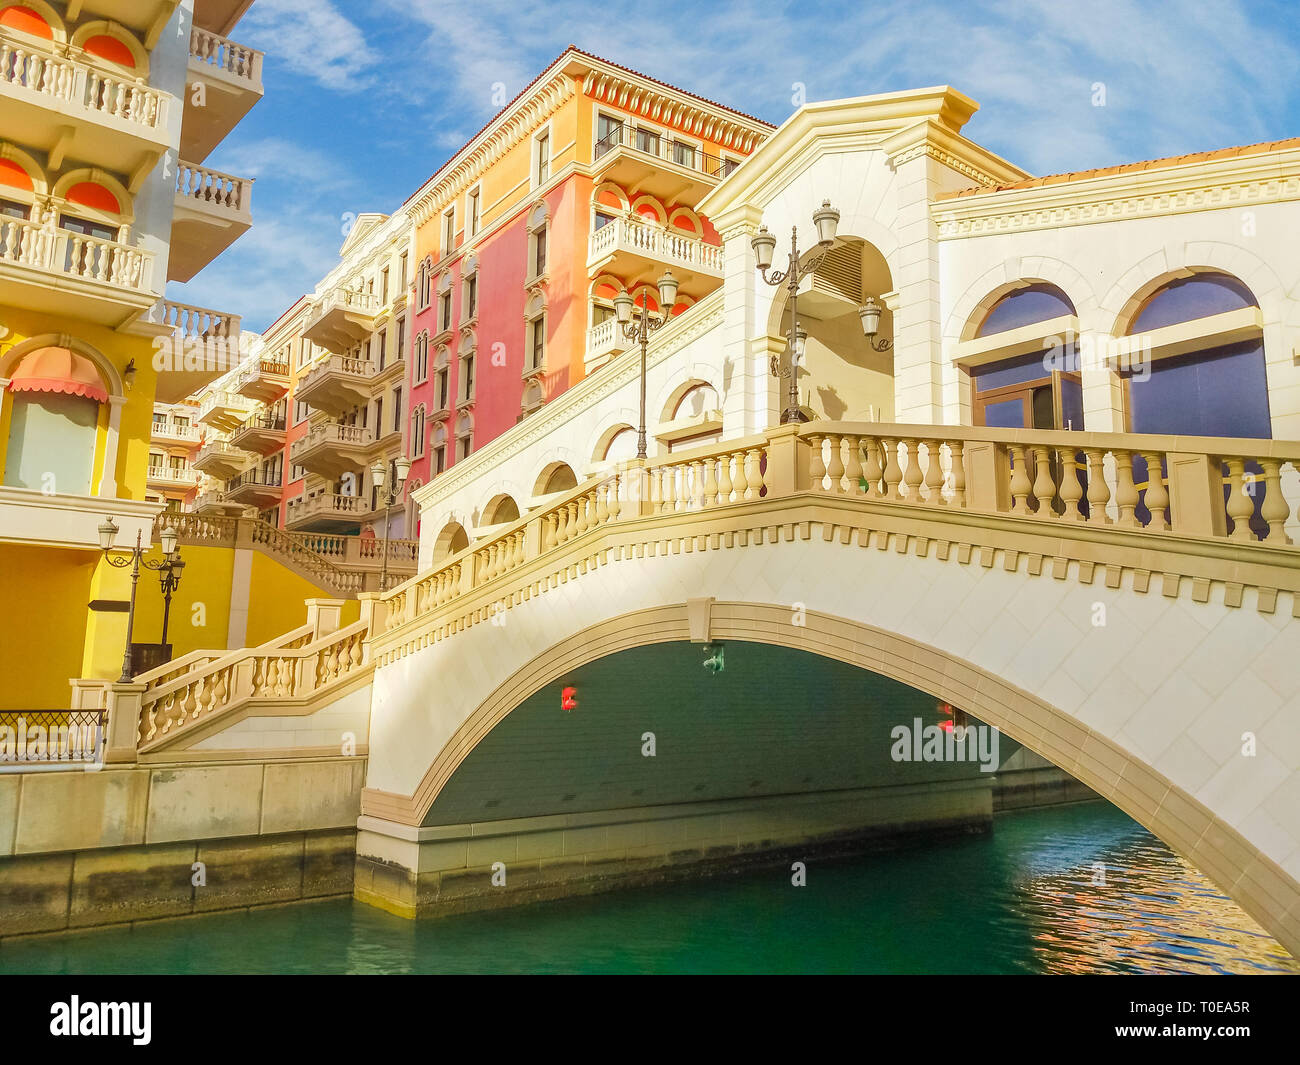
(1222, 392)
(1015, 371)
(1036, 303)
(1193, 297)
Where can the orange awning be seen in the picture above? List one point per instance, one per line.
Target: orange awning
(59, 370)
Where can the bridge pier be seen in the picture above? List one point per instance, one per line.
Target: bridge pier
(449, 869)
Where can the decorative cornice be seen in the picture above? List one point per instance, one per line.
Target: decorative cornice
(662, 106)
(947, 158)
(1117, 197)
(491, 145)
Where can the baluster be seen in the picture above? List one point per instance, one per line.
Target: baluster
(1240, 505)
(1020, 485)
(1098, 489)
(696, 471)
(582, 524)
(835, 467)
(912, 475)
(853, 468)
(933, 475)
(893, 474)
(711, 481)
(668, 492)
(816, 463)
(1044, 486)
(957, 458)
(1275, 510)
(724, 480)
(616, 487)
(1157, 496)
(740, 483)
(602, 506)
(873, 470)
(754, 477)
(1126, 493)
(1071, 489)
(356, 650)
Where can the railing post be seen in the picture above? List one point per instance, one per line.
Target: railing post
(533, 538)
(787, 462)
(123, 729)
(1196, 495)
(324, 616)
(987, 482)
(374, 613)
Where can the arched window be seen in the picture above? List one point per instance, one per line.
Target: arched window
(464, 436)
(417, 432)
(438, 450)
(622, 445)
(1219, 388)
(452, 540)
(52, 430)
(1036, 384)
(26, 19)
(695, 401)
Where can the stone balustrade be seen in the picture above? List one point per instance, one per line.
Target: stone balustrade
(220, 53)
(657, 242)
(59, 251)
(70, 85)
(224, 192)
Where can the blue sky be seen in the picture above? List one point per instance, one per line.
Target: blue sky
(366, 98)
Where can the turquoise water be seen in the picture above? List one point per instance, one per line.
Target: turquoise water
(1019, 901)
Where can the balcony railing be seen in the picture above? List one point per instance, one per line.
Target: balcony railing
(223, 192)
(220, 53)
(254, 478)
(75, 255)
(68, 84)
(605, 339)
(653, 241)
(169, 430)
(230, 401)
(659, 146)
(172, 475)
(331, 432)
(199, 323)
(327, 505)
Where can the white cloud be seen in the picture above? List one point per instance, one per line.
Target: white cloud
(315, 40)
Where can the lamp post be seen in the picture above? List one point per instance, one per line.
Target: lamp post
(390, 494)
(826, 219)
(170, 562)
(640, 330)
(869, 312)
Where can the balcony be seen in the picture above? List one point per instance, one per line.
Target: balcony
(173, 478)
(230, 78)
(212, 501)
(69, 109)
(629, 247)
(604, 341)
(199, 346)
(680, 173)
(326, 512)
(254, 488)
(331, 449)
(341, 319)
(54, 271)
(167, 431)
(336, 385)
(261, 434)
(212, 212)
(264, 380)
(225, 411)
(221, 459)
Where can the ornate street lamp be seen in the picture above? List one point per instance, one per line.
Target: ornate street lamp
(168, 568)
(869, 312)
(390, 495)
(826, 219)
(640, 330)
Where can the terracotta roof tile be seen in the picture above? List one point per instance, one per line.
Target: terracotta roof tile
(1128, 168)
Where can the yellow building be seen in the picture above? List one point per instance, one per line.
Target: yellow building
(107, 113)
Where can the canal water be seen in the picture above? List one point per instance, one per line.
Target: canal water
(1025, 899)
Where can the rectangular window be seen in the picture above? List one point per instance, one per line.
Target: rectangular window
(444, 311)
(443, 394)
(609, 134)
(448, 231)
(300, 411)
(647, 140)
(397, 410)
(401, 274)
(538, 348)
(381, 344)
(601, 314)
(471, 296)
(383, 287)
(13, 209)
(469, 378)
(684, 154)
(603, 219)
(539, 252)
(543, 158)
(471, 213)
(159, 421)
(379, 417)
(401, 339)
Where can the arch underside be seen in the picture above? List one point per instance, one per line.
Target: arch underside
(1253, 880)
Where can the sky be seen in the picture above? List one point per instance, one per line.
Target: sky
(365, 99)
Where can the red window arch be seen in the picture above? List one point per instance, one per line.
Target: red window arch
(18, 17)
